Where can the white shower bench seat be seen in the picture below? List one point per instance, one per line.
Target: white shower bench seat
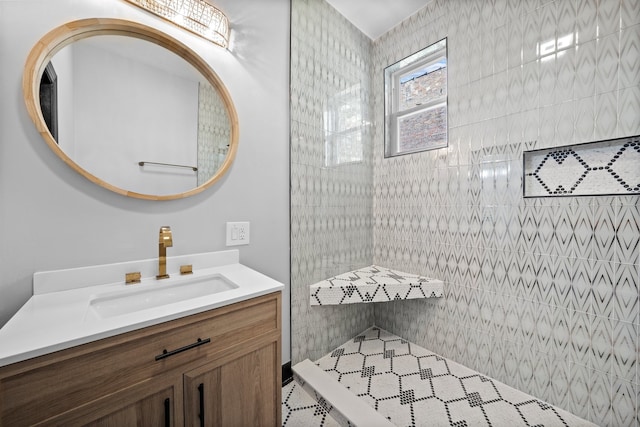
(373, 284)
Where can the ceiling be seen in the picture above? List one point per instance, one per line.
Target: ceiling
(376, 17)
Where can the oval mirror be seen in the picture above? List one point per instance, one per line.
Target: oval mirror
(130, 108)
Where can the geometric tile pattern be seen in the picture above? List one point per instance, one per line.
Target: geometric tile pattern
(373, 284)
(331, 206)
(607, 167)
(412, 386)
(214, 132)
(542, 294)
(323, 403)
(299, 409)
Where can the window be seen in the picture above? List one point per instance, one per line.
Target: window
(343, 126)
(416, 102)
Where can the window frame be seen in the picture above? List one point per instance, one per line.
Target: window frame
(422, 59)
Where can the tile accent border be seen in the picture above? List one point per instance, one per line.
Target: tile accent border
(590, 169)
(373, 284)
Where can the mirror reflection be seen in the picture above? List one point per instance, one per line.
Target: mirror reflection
(135, 114)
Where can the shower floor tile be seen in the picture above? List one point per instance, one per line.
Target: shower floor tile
(412, 386)
(299, 409)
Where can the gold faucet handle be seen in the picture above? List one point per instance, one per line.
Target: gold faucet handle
(166, 238)
(186, 269)
(132, 278)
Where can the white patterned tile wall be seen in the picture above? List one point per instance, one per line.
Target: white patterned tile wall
(331, 207)
(214, 132)
(542, 294)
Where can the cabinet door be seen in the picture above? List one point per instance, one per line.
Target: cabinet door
(237, 393)
(152, 411)
(147, 404)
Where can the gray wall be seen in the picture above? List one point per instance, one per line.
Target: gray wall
(52, 218)
(541, 294)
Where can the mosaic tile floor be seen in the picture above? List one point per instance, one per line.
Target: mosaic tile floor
(299, 409)
(412, 386)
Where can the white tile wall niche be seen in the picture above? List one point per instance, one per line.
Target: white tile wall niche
(373, 284)
(590, 169)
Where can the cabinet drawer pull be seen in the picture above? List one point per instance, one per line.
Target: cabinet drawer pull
(167, 412)
(201, 414)
(198, 343)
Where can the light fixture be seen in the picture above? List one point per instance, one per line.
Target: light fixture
(198, 16)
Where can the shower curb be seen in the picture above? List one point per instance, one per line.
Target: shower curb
(341, 404)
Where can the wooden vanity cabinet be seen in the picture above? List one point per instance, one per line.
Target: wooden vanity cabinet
(223, 363)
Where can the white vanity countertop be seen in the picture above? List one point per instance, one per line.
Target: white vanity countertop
(62, 317)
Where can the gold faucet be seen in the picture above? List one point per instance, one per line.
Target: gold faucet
(165, 241)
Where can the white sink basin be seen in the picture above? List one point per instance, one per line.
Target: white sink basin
(155, 294)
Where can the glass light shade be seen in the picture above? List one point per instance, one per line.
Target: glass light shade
(197, 16)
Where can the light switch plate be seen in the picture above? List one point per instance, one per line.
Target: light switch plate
(237, 233)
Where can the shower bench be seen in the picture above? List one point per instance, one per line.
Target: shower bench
(373, 284)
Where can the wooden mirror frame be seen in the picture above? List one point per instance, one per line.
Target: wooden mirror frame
(66, 34)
